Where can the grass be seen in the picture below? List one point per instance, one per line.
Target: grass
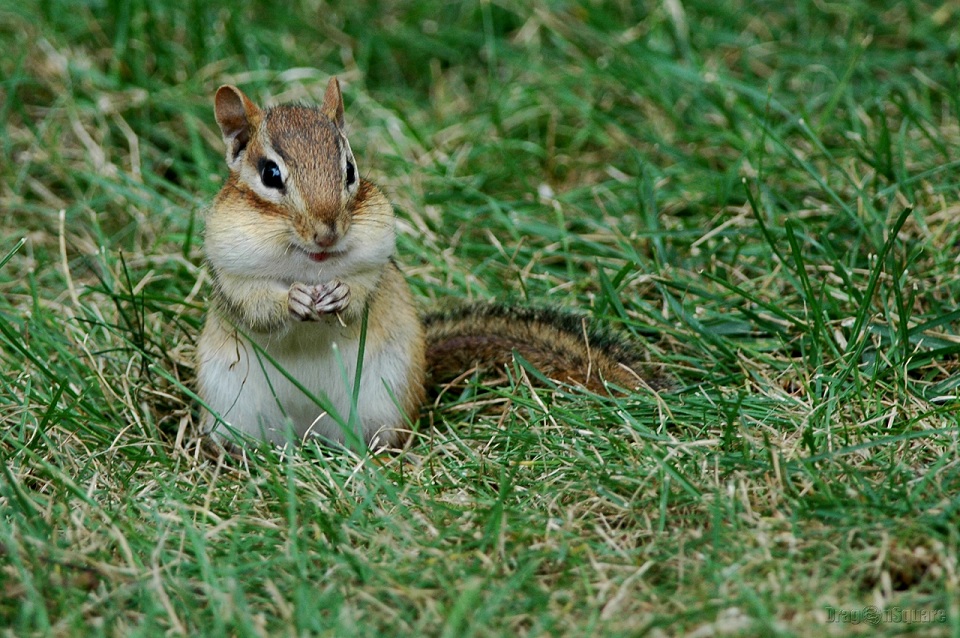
(765, 194)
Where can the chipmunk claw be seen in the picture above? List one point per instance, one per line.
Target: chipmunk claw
(331, 297)
(300, 302)
(311, 303)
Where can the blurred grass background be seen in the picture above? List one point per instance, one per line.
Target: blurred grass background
(765, 193)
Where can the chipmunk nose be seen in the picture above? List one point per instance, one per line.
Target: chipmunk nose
(325, 236)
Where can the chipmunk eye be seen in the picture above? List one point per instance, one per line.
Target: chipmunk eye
(351, 174)
(270, 174)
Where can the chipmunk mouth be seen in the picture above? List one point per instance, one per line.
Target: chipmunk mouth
(318, 256)
(322, 256)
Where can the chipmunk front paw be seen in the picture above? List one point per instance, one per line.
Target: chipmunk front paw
(310, 303)
(300, 302)
(331, 297)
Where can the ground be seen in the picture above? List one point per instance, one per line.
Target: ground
(764, 195)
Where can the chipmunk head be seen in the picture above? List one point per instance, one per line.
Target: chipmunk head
(292, 162)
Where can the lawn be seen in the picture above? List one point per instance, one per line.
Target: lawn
(764, 194)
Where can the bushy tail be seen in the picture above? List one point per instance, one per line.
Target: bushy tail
(563, 345)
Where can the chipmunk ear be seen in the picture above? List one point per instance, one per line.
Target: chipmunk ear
(332, 105)
(237, 118)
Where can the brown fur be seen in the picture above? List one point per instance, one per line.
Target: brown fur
(392, 317)
(235, 193)
(259, 234)
(563, 346)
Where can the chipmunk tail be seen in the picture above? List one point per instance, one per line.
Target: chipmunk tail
(564, 346)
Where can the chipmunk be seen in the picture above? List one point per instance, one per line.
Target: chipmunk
(301, 253)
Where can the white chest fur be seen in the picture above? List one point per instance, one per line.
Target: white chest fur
(300, 384)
